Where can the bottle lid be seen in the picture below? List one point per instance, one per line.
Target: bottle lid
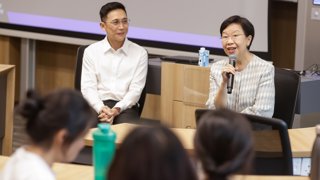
(104, 132)
(104, 127)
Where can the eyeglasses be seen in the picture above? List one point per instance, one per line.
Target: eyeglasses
(234, 37)
(117, 22)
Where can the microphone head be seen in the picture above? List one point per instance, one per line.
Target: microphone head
(233, 57)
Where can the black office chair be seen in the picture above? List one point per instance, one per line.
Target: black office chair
(77, 78)
(78, 69)
(273, 154)
(287, 85)
(272, 147)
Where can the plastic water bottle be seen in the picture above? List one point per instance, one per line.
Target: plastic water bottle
(103, 150)
(201, 56)
(206, 58)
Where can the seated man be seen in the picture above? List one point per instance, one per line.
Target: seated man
(114, 69)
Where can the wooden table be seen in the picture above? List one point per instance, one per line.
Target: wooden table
(78, 172)
(301, 139)
(185, 135)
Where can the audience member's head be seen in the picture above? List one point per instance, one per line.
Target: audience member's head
(315, 156)
(56, 123)
(151, 153)
(224, 144)
(246, 26)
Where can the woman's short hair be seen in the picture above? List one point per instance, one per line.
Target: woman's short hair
(61, 109)
(151, 153)
(224, 143)
(245, 24)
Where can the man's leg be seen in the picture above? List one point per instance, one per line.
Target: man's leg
(127, 116)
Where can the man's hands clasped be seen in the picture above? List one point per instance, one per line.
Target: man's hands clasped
(107, 114)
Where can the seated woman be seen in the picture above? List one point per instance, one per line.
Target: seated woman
(223, 144)
(56, 125)
(151, 153)
(315, 156)
(253, 86)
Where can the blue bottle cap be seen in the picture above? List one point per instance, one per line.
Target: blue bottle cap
(104, 132)
(104, 127)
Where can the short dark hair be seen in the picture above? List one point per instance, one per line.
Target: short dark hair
(245, 24)
(224, 144)
(107, 8)
(151, 153)
(61, 109)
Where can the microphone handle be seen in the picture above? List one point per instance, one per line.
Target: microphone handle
(231, 78)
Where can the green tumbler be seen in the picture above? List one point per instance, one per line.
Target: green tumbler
(103, 150)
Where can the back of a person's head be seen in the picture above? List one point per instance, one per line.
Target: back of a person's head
(224, 144)
(61, 109)
(151, 153)
(315, 156)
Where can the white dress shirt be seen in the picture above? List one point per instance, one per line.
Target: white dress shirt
(253, 87)
(25, 165)
(113, 75)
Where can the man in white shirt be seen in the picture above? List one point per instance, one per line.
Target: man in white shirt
(114, 69)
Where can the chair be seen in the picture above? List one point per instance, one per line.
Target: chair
(287, 85)
(78, 69)
(273, 154)
(77, 78)
(272, 147)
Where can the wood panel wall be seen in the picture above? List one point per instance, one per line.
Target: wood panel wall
(283, 33)
(55, 65)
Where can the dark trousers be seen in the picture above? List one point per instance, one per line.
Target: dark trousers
(130, 115)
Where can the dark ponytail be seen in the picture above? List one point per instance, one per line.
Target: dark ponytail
(31, 107)
(62, 109)
(224, 144)
(237, 165)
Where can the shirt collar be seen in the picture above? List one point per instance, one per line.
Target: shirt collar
(107, 47)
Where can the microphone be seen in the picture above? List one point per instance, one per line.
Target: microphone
(232, 61)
